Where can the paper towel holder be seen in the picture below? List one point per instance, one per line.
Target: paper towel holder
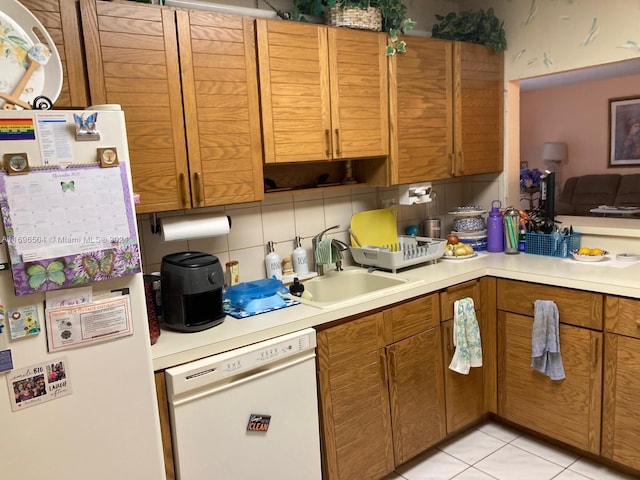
(156, 224)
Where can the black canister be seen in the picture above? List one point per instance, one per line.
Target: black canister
(192, 284)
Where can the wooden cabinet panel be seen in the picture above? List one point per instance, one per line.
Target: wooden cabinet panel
(421, 112)
(356, 423)
(464, 393)
(359, 98)
(323, 92)
(478, 104)
(165, 424)
(417, 394)
(568, 410)
(622, 315)
(411, 318)
(620, 423)
(345, 342)
(446, 111)
(457, 292)
(222, 116)
(132, 59)
(576, 307)
(187, 82)
(61, 18)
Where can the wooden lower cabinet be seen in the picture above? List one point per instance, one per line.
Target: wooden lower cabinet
(465, 399)
(568, 410)
(355, 420)
(417, 394)
(620, 421)
(381, 390)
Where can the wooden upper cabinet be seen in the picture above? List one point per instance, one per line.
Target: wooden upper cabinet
(478, 102)
(446, 111)
(132, 59)
(222, 115)
(61, 19)
(187, 83)
(323, 92)
(421, 111)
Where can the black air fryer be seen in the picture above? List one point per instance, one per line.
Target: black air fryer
(191, 291)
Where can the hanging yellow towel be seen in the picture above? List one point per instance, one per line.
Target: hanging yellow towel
(466, 337)
(545, 340)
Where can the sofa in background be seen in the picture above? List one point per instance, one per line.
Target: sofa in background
(581, 194)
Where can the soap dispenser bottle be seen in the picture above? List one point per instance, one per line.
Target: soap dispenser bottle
(299, 257)
(495, 228)
(296, 288)
(273, 263)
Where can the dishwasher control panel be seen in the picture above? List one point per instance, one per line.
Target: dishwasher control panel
(218, 368)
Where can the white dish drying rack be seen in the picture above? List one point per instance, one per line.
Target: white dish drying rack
(407, 252)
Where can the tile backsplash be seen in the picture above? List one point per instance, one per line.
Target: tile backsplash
(281, 218)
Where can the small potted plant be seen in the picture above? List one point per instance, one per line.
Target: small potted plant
(391, 14)
(475, 27)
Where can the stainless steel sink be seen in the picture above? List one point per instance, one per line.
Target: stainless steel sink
(352, 285)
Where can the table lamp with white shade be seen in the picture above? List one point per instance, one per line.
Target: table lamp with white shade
(554, 154)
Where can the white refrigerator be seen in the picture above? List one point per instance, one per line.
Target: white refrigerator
(77, 393)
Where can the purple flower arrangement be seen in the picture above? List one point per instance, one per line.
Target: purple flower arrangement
(530, 180)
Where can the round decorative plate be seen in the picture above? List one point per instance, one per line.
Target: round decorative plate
(460, 257)
(589, 258)
(17, 38)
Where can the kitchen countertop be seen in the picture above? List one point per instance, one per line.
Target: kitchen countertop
(609, 276)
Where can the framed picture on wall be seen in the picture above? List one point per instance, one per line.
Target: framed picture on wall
(624, 131)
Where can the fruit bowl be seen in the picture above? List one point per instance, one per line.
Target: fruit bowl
(587, 257)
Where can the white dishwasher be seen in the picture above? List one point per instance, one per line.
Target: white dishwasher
(249, 413)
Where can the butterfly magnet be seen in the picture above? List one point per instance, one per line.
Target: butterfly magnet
(86, 127)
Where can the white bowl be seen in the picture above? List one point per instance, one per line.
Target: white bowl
(589, 258)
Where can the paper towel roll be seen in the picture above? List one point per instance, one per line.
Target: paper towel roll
(188, 227)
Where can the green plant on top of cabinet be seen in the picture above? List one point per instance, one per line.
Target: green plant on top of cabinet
(187, 83)
(446, 111)
(323, 92)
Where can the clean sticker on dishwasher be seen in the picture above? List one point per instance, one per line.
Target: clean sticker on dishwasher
(258, 422)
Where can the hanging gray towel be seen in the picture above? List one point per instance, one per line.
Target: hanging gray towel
(545, 340)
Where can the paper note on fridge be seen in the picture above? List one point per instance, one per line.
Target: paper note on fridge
(89, 323)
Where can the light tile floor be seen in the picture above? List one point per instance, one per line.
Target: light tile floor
(493, 451)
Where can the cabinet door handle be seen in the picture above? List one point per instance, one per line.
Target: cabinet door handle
(595, 351)
(183, 190)
(327, 141)
(338, 151)
(461, 162)
(452, 160)
(448, 336)
(198, 189)
(383, 367)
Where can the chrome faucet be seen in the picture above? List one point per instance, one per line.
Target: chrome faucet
(334, 241)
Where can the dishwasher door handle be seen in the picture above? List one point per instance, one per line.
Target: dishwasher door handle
(216, 387)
